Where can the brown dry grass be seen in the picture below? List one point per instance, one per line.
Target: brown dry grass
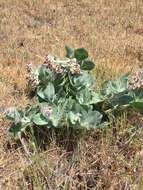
(112, 31)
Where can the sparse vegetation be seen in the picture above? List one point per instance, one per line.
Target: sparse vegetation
(108, 157)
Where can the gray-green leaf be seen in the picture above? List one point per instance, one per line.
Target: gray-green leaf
(91, 119)
(39, 119)
(48, 93)
(69, 52)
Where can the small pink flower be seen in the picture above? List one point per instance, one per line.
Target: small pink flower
(75, 67)
(46, 111)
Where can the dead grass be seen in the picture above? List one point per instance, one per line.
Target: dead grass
(107, 159)
(112, 31)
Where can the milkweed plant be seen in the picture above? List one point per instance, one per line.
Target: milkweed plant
(66, 97)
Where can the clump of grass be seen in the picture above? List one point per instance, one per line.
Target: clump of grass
(103, 160)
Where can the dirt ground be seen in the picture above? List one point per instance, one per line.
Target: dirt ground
(112, 31)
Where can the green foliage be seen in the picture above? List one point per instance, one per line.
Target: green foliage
(117, 95)
(69, 52)
(65, 96)
(137, 106)
(81, 54)
(47, 93)
(87, 65)
(39, 119)
(115, 87)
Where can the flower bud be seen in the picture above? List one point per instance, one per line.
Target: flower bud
(74, 67)
(46, 111)
(136, 81)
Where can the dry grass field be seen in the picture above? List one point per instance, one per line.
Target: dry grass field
(112, 31)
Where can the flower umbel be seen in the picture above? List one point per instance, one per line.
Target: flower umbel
(32, 79)
(136, 81)
(74, 67)
(51, 64)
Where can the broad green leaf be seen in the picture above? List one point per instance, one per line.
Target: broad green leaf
(87, 65)
(39, 119)
(122, 83)
(84, 97)
(84, 80)
(121, 100)
(16, 129)
(69, 103)
(107, 88)
(96, 98)
(40, 93)
(114, 87)
(56, 115)
(91, 119)
(69, 52)
(42, 73)
(49, 92)
(45, 75)
(137, 106)
(81, 54)
(78, 108)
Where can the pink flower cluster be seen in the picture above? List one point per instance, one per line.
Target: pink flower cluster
(50, 63)
(33, 81)
(136, 80)
(74, 67)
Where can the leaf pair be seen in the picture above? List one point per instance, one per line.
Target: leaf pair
(81, 55)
